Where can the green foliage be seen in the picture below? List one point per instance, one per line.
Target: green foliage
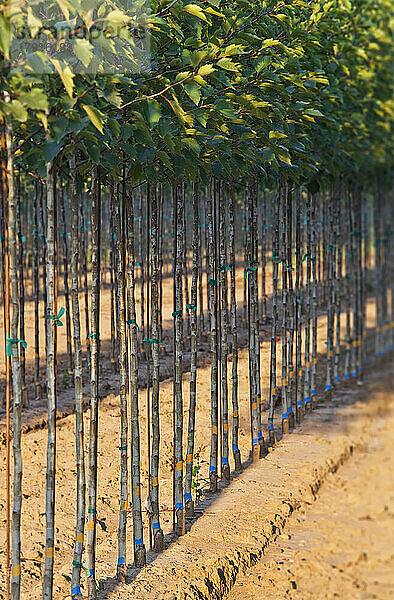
(234, 87)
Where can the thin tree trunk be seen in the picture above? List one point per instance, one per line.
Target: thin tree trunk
(212, 284)
(64, 234)
(84, 261)
(51, 382)
(189, 506)
(179, 508)
(15, 362)
(36, 288)
(21, 241)
(7, 359)
(234, 336)
(158, 537)
(94, 381)
(76, 593)
(283, 255)
(120, 276)
(139, 548)
(112, 280)
(298, 309)
(43, 228)
(275, 268)
(291, 310)
(314, 249)
(307, 370)
(222, 275)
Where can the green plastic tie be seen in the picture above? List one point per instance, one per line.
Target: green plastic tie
(122, 448)
(11, 341)
(212, 282)
(132, 322)
(57, 317)
(92, 511)
(93, 336)
(191, 307)
(153, 341)
(249, 270)
(177, 313)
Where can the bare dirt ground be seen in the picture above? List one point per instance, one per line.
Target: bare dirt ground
(35, 414)
(34, 465)
(313, 520)
(342, 546)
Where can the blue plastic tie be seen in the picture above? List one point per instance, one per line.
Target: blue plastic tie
(290, 410)
(91, 572)
(212, 469)
(235, 447)
(313, 392)
(306, 399)
(188, 496)
(76, 590)
(270, 427)
(328, 387)
(260, 435)
(284, 415)
(299, 402)
(157, 525)
(179, 505)
(121, 560)
(254, 441)
(225, 460)
(138, 542)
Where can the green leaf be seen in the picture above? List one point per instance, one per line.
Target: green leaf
(206, 70)
(50, 150)
(34, 23)
(65, 75)
(313, 112)
(83, 51)
(164, 158)
(35, 99)
(227, 64)
(196, 11)
(270, 42)
(96, 117)
(18, 111)
(152, 111)
(114, 125)
(5, 36)
(192, 89)
(276, 135)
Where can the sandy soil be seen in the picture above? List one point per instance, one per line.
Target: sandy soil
(34, 465)
(34, 462)
(35, 414)
(342, 546)
(313, 520)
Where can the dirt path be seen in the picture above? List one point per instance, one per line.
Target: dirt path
(341, 546)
